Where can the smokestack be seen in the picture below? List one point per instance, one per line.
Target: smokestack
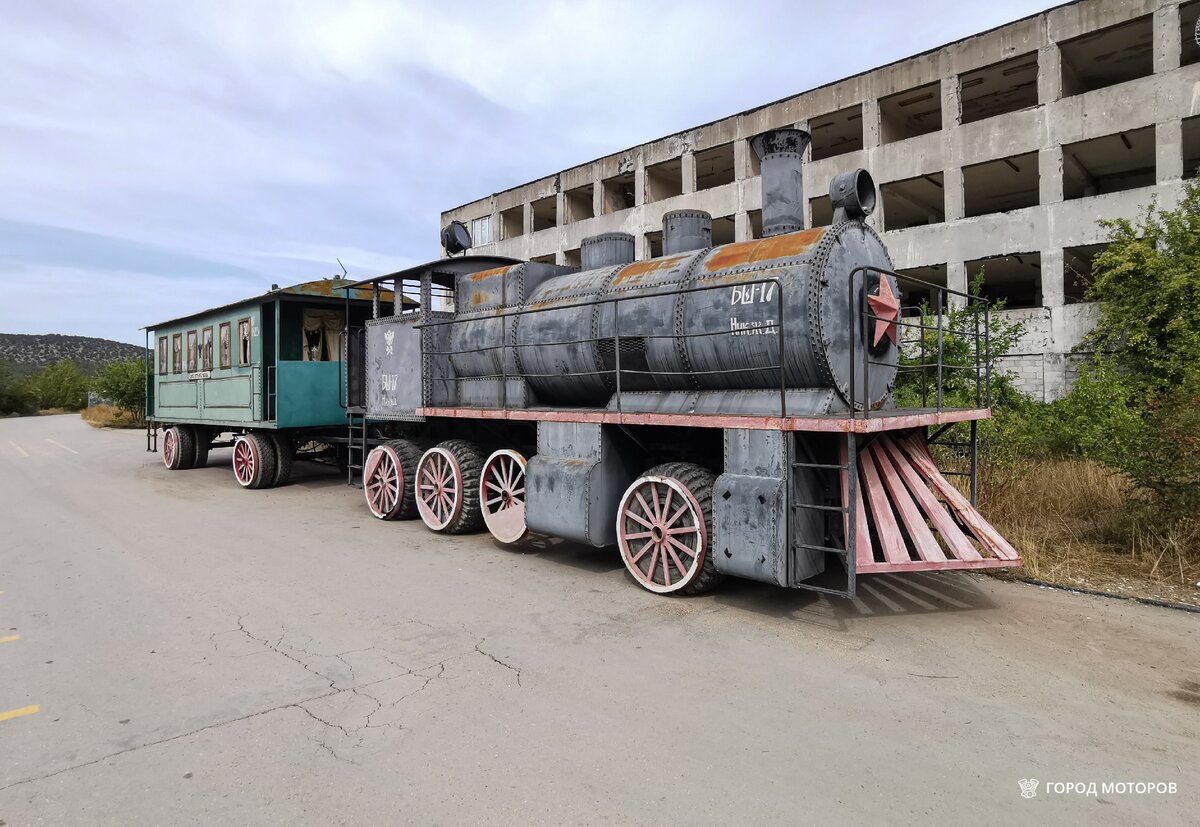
(606, 250)
(686, 230)
(782, 154)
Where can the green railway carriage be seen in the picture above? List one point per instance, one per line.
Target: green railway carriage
(263, 375)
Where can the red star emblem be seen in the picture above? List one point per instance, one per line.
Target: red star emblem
(886, 308)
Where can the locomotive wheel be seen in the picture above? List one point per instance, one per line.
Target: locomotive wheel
(502, 495)
(285, 452)
(448, 487)
(203, 440)
(663, 528)
(179, 448)
(254, 461)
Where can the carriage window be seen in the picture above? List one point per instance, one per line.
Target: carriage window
(191, 343)
(243, 341)
(206, 348)
(226, 345)
(323, 335)
(177, 353)
(162, 355)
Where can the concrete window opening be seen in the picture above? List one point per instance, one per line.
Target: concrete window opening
(755, 218)
(1189, 49)
(723, 230)
(1191, 146)
(512, 222)
(546, 259)
(910, 113)
(664, 180)
(573, 257)
(545, 213)
(619, 193)
(1108, 56)
(1002, 87)
(1002, 185)
(1077, 271)
(654, 247)
(1015, 278)
(581, 203)
(837, 133)
(714, 167)
(481, 231)
(822, 211)
(1112, 163)
(912, 296)
(914, 202)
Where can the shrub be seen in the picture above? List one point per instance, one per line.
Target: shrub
(124, 382)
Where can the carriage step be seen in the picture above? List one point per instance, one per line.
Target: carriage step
(915, 520)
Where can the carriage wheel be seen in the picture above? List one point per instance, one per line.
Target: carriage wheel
(179, 446)
(383, 482)
(285, 453)
(447, 487)
(254, 461)
(663, 526)
(502, 495)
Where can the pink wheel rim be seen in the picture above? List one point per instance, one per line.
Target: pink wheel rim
(383, 481)
(502, 495)
(170, 447)
(439, 488)
(661, 534)
(245, 460)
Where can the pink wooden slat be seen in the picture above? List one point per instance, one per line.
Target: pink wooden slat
(923, 539)
(862, 552)
(981, 528)
(885, 521)
(959, 545)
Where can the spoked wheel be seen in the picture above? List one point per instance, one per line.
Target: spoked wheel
(179, 446)
(388, 476)
(448, 487)
(254, 461)
(502, 495)
(664, 524)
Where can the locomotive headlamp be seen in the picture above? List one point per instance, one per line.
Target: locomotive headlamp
(854, 194)
(455, 238)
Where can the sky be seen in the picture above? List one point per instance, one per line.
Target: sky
(159, 158)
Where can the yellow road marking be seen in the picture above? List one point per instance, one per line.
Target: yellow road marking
(19, 449)
(60, 445)
(17, 713)
(10, 638)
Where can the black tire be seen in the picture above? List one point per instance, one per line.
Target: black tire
(470, 464)
(185, 452)
(700, 482)
(264, 469)
(409, 453)
(285, 452)
(200, 453)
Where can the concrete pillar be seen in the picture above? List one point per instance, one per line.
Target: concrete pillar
(1168, 145)
(527, 217)
(741, 160)
(560, 209)
(870, 119)
(639, 182)
(597, 197)
(688, 163)
(741, 226)
(953, 193)
(1053, 278)
(1049, 74)
(639, 247)
(951, 103)
(956, 279)
(1166, 39)
(1050, 175)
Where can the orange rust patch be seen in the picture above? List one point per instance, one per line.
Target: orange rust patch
(641, 268)
(766, 249)
(495, 271)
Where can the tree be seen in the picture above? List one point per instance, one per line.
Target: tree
(14, 396)
(61, 385)
(124, 382)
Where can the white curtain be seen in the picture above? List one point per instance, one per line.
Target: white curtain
(323, 335)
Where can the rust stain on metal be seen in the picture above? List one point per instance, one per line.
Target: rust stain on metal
(766, 249)
(487, 274)
(641, 268)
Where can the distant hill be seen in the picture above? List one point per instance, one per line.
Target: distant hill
(28, 353)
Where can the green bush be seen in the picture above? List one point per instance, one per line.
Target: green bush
(124, 382)
(14, 395)
(61, 385)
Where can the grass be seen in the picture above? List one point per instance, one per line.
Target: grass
(1075, 523)
(109, 416)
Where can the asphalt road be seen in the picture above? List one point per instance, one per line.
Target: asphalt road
(176, 650)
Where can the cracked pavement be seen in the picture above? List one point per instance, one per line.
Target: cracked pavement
(203, 653)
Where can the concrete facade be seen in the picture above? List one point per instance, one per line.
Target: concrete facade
(1001, 151)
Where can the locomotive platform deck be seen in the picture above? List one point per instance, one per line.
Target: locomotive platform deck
(863, 423)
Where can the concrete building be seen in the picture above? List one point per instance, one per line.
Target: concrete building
(1000, 151)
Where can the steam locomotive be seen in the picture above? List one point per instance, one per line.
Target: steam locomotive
(713, 412)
